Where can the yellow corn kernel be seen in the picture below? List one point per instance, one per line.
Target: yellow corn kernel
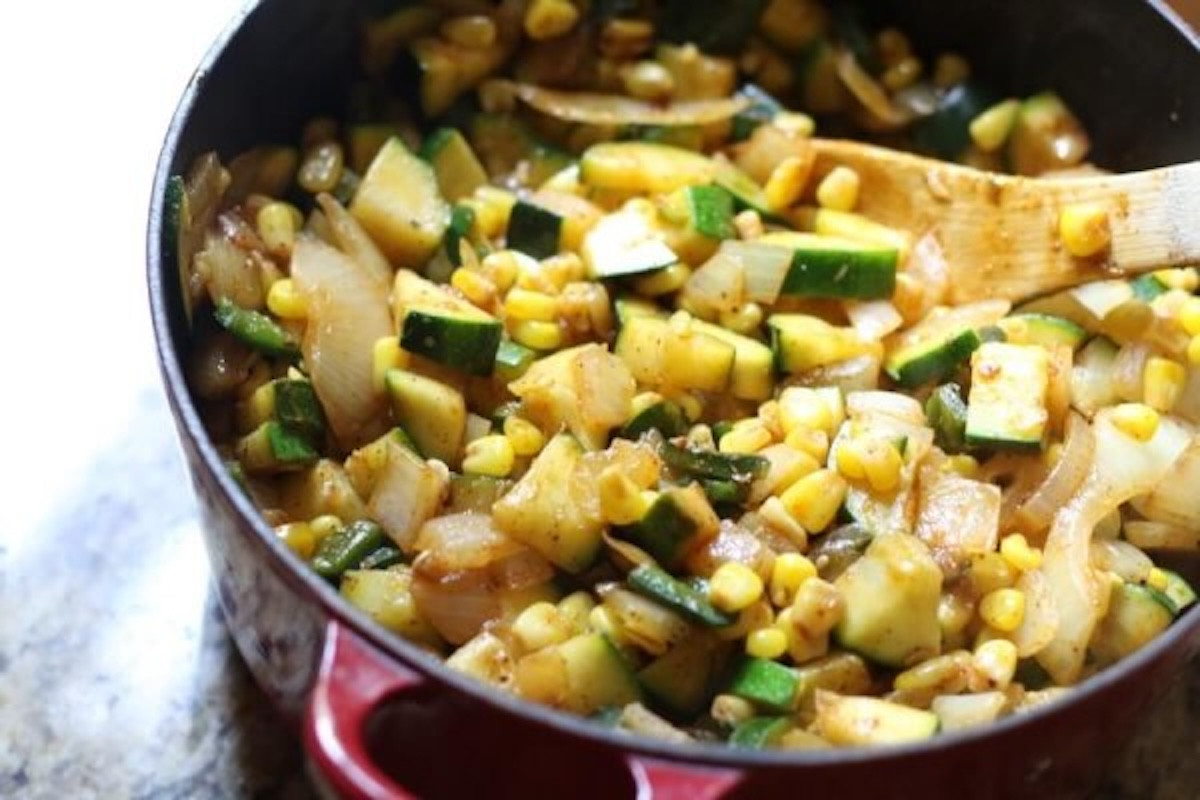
(1193, 351)
(501, 269)
(849, 460)
(788, 572)
(1136, 420)
(776, 515)
(540, 625)
(950, 69)
(621, 501)
(664, 281)
(730, 710)
(489, 455)
(474, 286)
(734, 586)
(538, 335)
(964, 465)
(325, 526)
(1184, 278)
(1003, 609)
(1157, 579)
(746, 438)
(902, 74)
(801, 407)
(574, 610)
(1162, 382)
(648, 80)
(526, 305)
(749, 224)
(794, 122)
(1084, 229)
(812, 443)
(839, 189)
(525, 437)
(875, 461)
(299, 538)
(1189, 316)
(744, 319)
(387, 355)
(989, 572)
(769, 643)
(492, 206)
(285, 302)
(787, 183)
(277, 224)
(996, 660)
(1015, 549)
(989, 131)
(547, 19)
(814, 500)
(564, 268)
(603, 619)
(475, 30)
(692, 406)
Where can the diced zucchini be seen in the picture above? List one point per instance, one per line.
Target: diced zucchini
(534, 230)
(386, 595)
(272, 449)
(710, 464)
(706, 210)
(844, 673)
(364, 466)
(847, 720)
(713, 26)
(801, 342)
(1046, 330)
(345, 549)
(462, 223)
(826, 266)
(1136, 615)
(412, 291)
(657, 354)
(934, 360)
(513, 360)
(747, 194)
(435, 414)
(401, 207)
(768, 684)
(892, 594)
(323, 488)
(664, 416)
(679, 521)
(1147, 287)
(753, 375)
(464, 342)
(652, 582)
(477, 493)
(545, 509)
(644, 168)
(1179, 592)
(598, 676)
(623, 244)
(257, 330)
(628, 307)
(682, 679)
(946, 132)
(1007, 404)
(458, 170)
(177, 237)
(947, 415)
(296, 407)
(759, 733)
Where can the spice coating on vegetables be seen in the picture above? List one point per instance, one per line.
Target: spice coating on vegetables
(557, 356)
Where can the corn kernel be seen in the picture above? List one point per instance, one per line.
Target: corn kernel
(989, 572)
(621, 501)
(1189, 316)
(746, 318)
(787, 183)
(794, 122)
(776, 515)
(1162, 383)
(277, 224)
(525, 437)
(501, 269)
(1157, 579)
(748, 224)
(526, 305)
(881, 463)
(1084, 229)
(1003, 609)
(538, 335)
(386, 356)
(285, 302)
(540, 625)
(299, 538)
(814, 500)
(730, 710)
(1020, 556)
(574, 610)
(812, 443)
(989, 130)
(474, 31)
(849, 460)
(1185, 279)
(734, 586)
(648, 80)
(788, 572)
(746, 439)
(547, 19)
(325, 526)
(1136, 420)
(492, 206)
(664, 281)
(964, 465)
(1193, 351)
(996, 660)
(839, 189)
(902, 74)
(603, 619)
(489, 455)
(801, 407)
(475, 287)
(769, 643)
(692, 406)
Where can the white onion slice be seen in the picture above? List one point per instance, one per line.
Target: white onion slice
(608, 109)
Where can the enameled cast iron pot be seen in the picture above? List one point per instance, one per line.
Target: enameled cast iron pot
(378, 714)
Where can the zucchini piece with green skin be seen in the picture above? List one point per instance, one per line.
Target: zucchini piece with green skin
(947, 415)
(1179, 592)
(464, 342)
(747, 194)
(801, 342)
(826, 266)
(625, 244)
(664, 416)
(272, 449)
(725, 494)
(513, 360)
(1136, 615)
(759, 733)
(1006, 408)
(932, 361)
(345, 549)
(400, 206)
(753, 374)
(682, 679)
(708, 211)
(176, 238)
(1147, 287)
(848, 720)
(644, 167)
(475, 493)
(768, 684)
(256, 330)
(386, 595)
(434, 414)
(946, 132)
(714, 26)
(657, 355)
(742, 468)
(1046, 330)
(677, 522)
(534, 230)
(462, 222)
(598, 676)
(458, 170)
(654, 583)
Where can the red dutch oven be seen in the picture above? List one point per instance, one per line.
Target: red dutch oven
(382, 719)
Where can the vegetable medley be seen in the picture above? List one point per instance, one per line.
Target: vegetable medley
(559, 357)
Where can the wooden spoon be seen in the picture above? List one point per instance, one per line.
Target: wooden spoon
(999, 233)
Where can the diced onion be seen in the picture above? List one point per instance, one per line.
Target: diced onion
(354, 241)
(1161, 536)
(1176, 500)
(875, 319)
(718, 286)
(607, 109)
(1121, 558)
(645, 623)
(456, 608)
(1041, 616)
(1036, 512)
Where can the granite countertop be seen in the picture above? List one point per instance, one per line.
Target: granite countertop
(117, 678)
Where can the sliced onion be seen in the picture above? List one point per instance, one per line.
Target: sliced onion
(766, 268)
(888, 404)
(868, 92)
(354, 241)
(859, 374)
(1128, 370)
(229, 273)
(956, 516)
(731, 544)
(1041, 616)
(609, 109)
(1161, 536)
(348, 313)
(626, 555)
(1121, 558)
(875, 319)
(1035, 514)
(1176, 501)
(459, 608)
(462, 542)
(407, 492)
(717, 286)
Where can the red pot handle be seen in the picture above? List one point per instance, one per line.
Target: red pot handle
(355, 679)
